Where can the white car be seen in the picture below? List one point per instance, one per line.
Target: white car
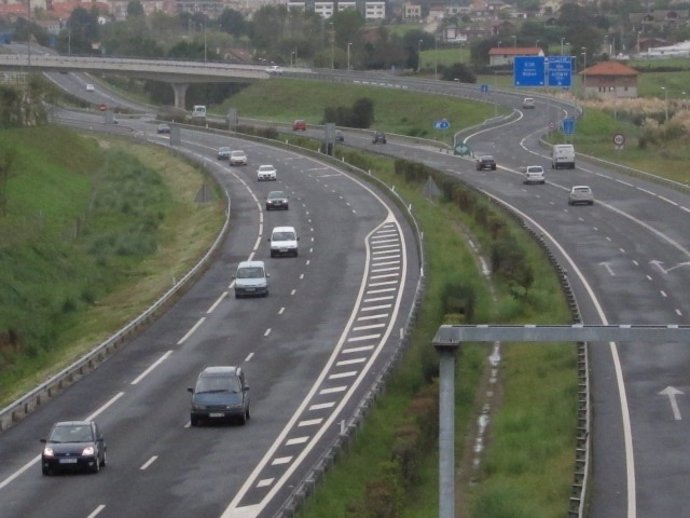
(274, 69)
(528, 103)
(534, 174)
(266, 172)
(251, 279)
(238, 157)
(580, 194)
(284, 241)
(90, 87)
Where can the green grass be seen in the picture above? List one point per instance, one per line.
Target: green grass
(438, 57)
(396, 111)
(95, 231)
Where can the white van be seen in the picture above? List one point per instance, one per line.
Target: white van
(199, 112)
(251, 279)
(284, 241)
(563, 155)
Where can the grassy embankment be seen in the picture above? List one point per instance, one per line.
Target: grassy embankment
(95, 230)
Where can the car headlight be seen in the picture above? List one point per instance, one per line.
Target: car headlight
(48, 452)
(89, 451)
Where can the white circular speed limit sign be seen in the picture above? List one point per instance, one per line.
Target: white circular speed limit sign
(619, 139)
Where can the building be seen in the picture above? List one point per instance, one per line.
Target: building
(610, 79)
(501, 56)
(370, 9)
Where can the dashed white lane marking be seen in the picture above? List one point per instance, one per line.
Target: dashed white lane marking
(646, 191)
(379, 241)
(663, 293)
(191, 331)
(649, 277)
(388, 269)
(267, 332)
(281, 310)
(306, 263)
(662, 198)
(625, 183)
(249, 357)
(293, 292)
(636, 263)
(218, 301)
(301, 276)
(378, 247)
(383, 283)
(153, 366)
(622, 250)
(685, 209)
(679, 312)
(265, 482)
(281, 460)
(384, 263)
(148, 463)
(96, 511)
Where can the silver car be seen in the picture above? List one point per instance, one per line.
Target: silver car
(580, 194)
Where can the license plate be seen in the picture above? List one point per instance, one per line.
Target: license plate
(215, 414)
(249, 289)
(68, 461)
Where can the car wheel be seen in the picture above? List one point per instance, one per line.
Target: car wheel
(287, 207)
(46, 471)
(273, 253)
(194, 421)
(97, 467)
(243, 418)
(296, 253)
(493, 167)
(249, 416)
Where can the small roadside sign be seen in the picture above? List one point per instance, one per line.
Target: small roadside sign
(103, 107)
(442, 124)
(619, 139)
(484, 88)
(569, 125)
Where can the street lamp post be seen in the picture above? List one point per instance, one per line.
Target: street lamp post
(349, 44)
(205, 44)
(584, 69)
(419, 55)
(332, 34)
(435, 57)
(562, 43)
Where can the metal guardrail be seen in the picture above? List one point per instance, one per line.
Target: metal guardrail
(21, 407)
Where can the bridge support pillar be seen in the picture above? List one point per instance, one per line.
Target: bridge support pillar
(180, 90)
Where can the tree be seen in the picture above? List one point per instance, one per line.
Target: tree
(134, 8)
(232, 22)
(458, 71)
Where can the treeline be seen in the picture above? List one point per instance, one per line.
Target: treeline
(24, 104)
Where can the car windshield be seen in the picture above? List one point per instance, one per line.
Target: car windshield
(266, 168)
(224, 149)
(218, 384)
(487, 158)
(238, 153)
(253, 272)
(276, 194)
(71, 433)
(283, 236)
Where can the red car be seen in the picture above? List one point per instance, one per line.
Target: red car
(299, 125)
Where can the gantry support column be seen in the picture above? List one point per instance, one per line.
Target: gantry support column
(180, 90)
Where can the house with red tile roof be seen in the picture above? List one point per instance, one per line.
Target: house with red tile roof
(609, 79)
(505, 55)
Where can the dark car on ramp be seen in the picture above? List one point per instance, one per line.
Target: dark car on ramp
(220, 394)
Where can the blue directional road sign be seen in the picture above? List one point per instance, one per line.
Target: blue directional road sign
(484, 88)
(528, 71)
(442, 124)
(560, 71)
(569, 125)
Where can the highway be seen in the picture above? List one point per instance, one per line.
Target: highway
(311, 350)
(628, 259)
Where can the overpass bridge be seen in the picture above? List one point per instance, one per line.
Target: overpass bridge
(179, 74)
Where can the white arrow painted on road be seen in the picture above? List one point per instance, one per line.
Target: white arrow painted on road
(608, 268)
(672, 392)
(658, 264)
